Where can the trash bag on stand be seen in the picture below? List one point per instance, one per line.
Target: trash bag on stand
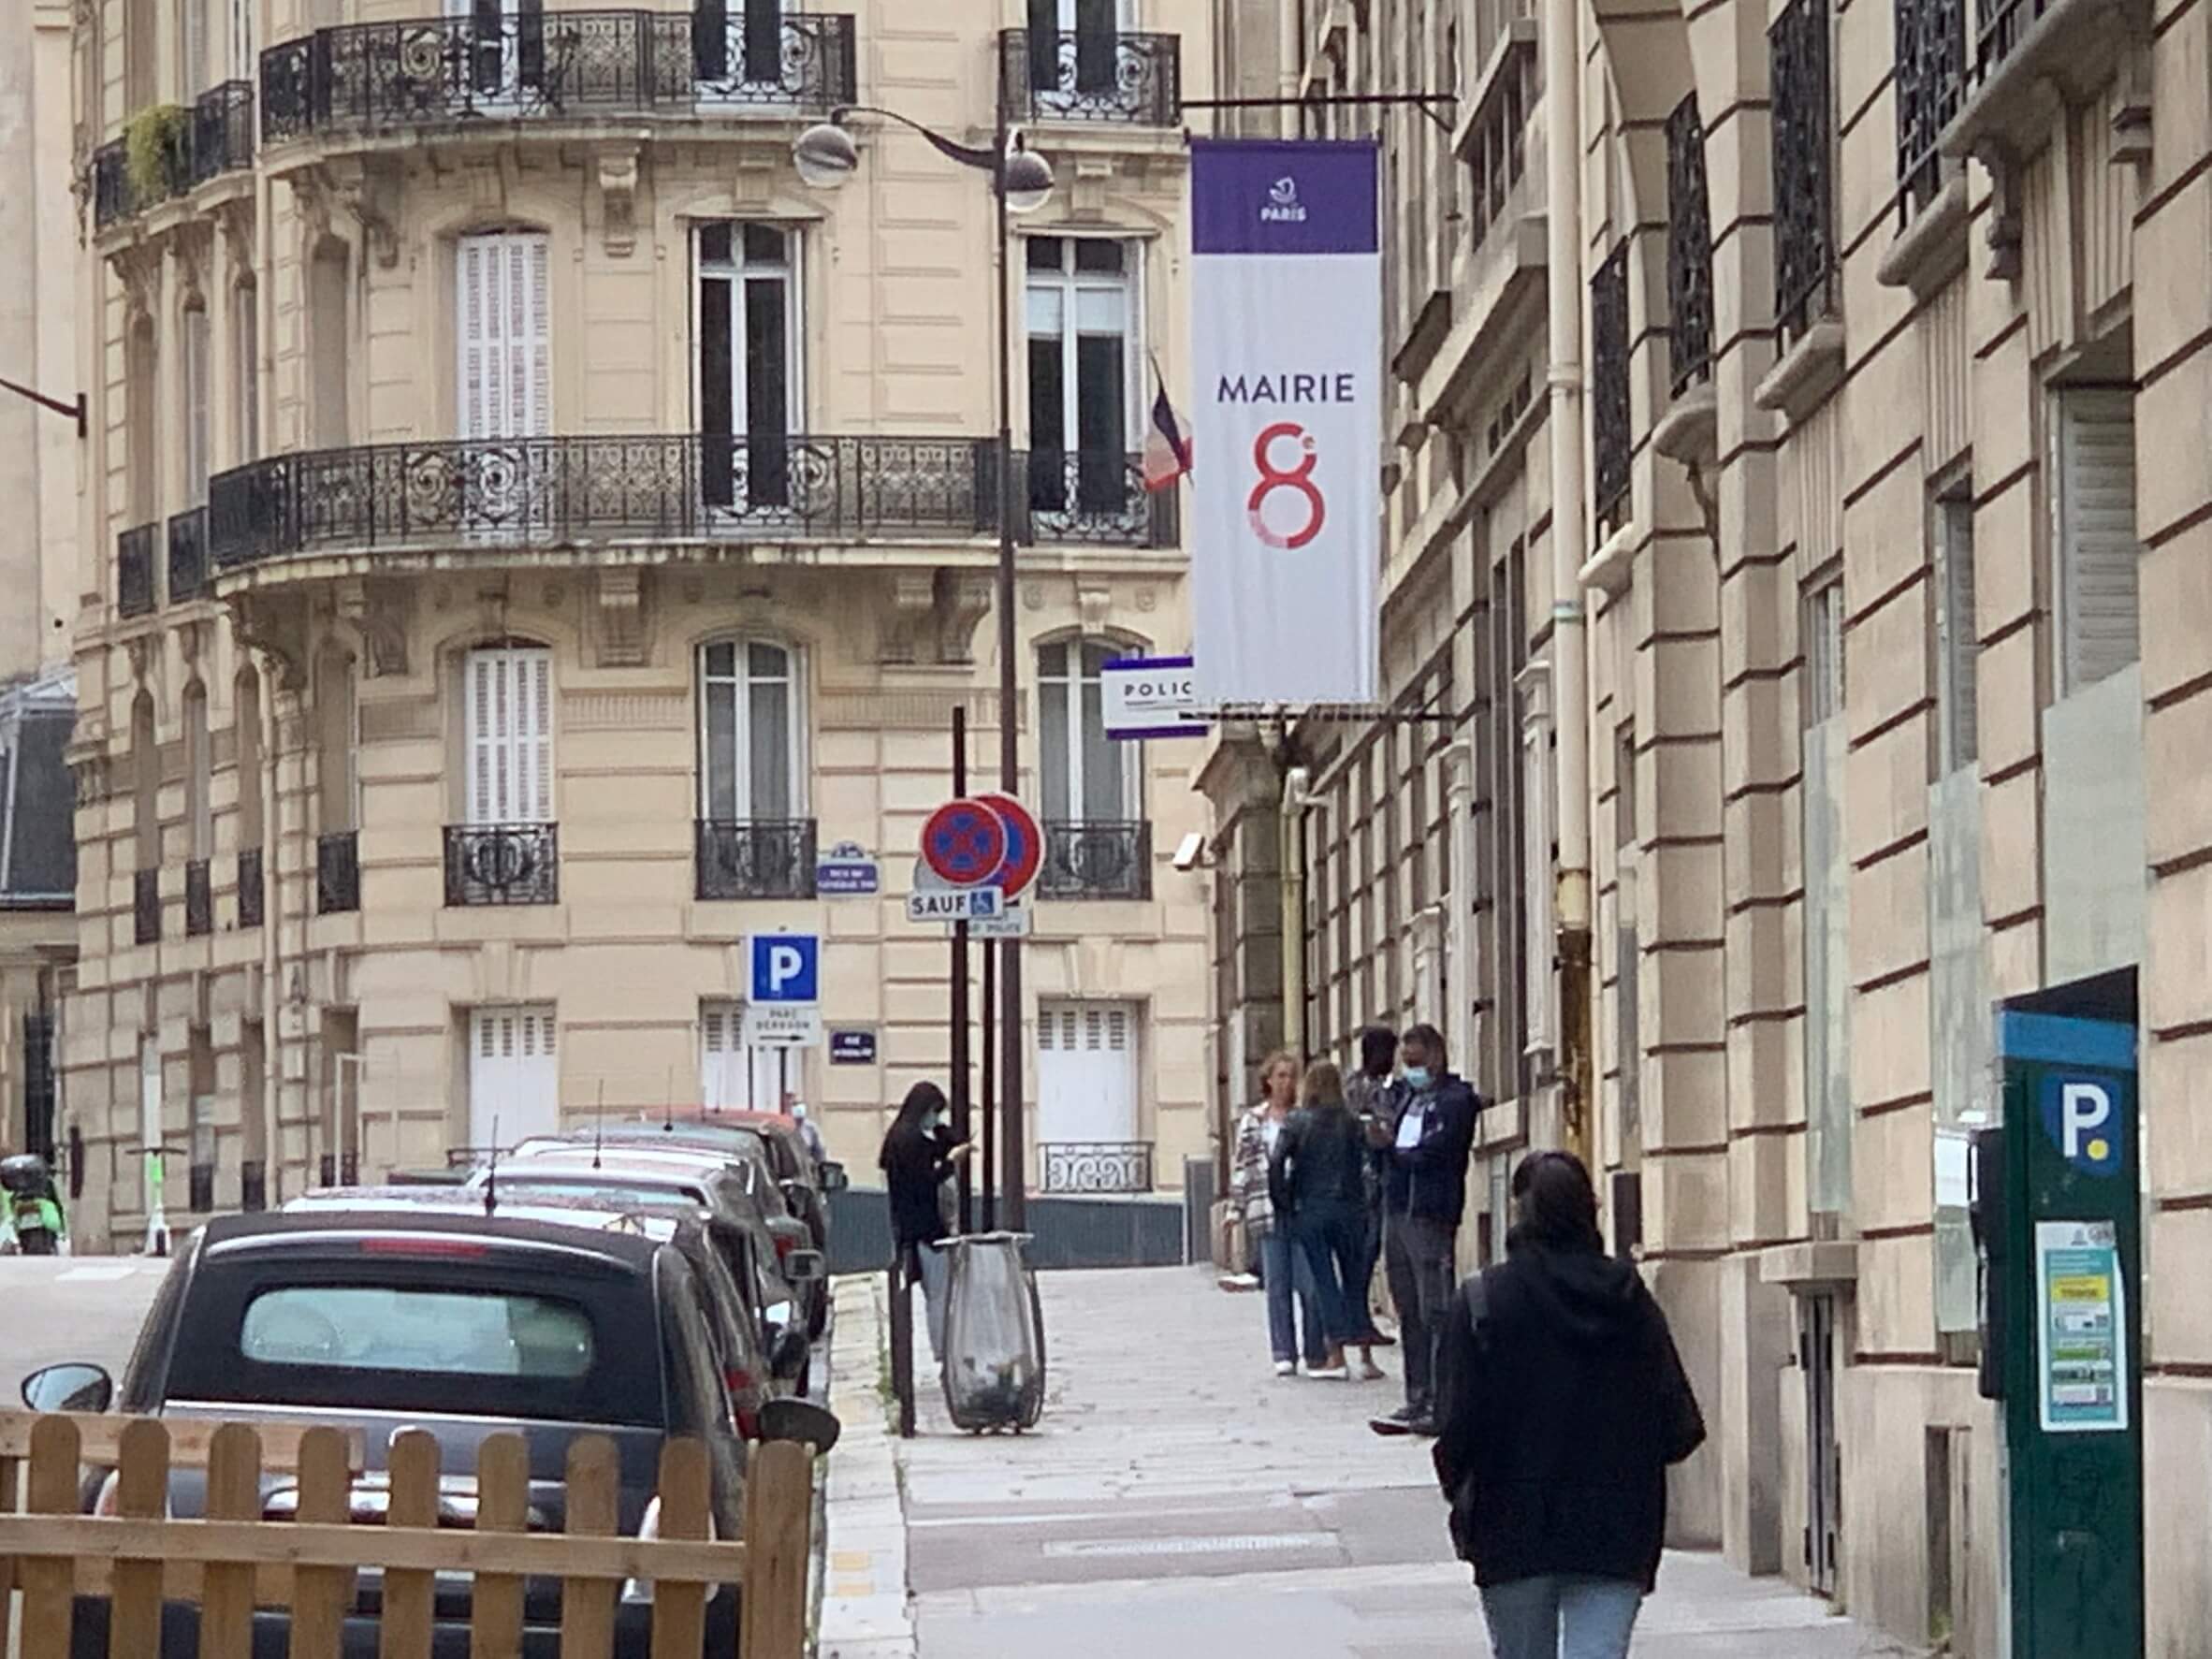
(994, 1359)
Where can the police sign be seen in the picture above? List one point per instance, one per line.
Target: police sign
(1151, 697)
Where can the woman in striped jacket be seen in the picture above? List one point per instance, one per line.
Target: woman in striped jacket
(1283, 1267)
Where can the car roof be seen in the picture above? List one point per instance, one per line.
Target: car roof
(656, 1218)
(625, 1158)
(269, 1231)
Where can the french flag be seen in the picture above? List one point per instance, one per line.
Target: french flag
(1166, 448)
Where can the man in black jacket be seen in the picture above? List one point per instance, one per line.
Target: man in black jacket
(1564, 1403)
(1425, 1193)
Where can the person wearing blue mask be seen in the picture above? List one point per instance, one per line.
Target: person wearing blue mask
(1425, 1148)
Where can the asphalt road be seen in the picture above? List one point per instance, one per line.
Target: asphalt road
(83, 1307)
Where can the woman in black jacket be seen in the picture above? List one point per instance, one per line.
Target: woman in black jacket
(1565, 1402)
(1316, 1180)
(919, 1153)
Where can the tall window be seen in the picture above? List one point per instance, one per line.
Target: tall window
(737, 40)
(200, 816)
(747, 360)
(242, 40)
(1827, 891)
(191, 47)
(1958, 738)
(247, 701)
(245, 384)
(749, 741)
(140, 461)
(1088, 777)
(329, 282)
(337, 743)
(1080, 318)
(146, 784)
(505, 378)
(508, 722)
(196, 404)
(2093, 535)
(141, 50)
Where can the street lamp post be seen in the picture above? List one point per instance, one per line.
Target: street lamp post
(1020, 181)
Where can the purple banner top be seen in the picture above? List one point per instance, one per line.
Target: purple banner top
(1283, 195)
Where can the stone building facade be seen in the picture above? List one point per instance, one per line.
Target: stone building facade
(527, 525)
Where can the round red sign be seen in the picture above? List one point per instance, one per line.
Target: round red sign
(1024, 844)
(964, 842)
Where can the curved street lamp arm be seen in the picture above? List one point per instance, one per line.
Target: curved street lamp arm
(983, 159)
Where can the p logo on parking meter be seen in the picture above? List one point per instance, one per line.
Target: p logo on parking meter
(2081, 1117)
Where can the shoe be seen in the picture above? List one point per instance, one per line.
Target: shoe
(1426, 1427)
(1370, 1370)
(1329, 1373)
(1238, 1282)
(1376, 1339)
(1390, 1425)
(1285, 1368)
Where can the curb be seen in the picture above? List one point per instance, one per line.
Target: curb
(865, 1613)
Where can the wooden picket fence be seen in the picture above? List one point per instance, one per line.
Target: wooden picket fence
(234, 1561)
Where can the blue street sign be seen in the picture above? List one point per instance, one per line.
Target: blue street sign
(786, 969)
(852, 1048)
(847, 871)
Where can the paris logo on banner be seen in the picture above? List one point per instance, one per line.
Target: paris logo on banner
(1287, 359)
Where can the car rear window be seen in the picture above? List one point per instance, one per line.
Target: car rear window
(452, 1333)
(610, 1192)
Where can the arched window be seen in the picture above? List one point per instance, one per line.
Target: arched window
(750, 767)
(337, 735)
(1087, 776)
(145, 784)
(198, 454)
(141, 463)
(245, 365)
(199, 819)
(329, 288)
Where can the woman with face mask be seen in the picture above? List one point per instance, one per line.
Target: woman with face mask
(919, 1153)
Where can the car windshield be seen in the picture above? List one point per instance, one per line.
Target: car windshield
(458, 1333)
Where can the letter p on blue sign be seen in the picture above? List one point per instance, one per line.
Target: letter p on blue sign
(786, 969)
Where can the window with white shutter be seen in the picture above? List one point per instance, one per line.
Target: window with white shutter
(732, 1076)
(241, 40)
(508, 721)
(513, 1076)
(2093, 535)
(504, 379)
(196, 405)
(1086, 1072)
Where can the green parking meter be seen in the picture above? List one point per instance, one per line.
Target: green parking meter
(2065, 1277)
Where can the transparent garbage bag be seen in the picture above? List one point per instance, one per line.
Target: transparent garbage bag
(994, 1359)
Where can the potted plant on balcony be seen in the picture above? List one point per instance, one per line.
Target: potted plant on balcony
(154, 151)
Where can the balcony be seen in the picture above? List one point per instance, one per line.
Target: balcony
(386, 79)
(1930, 81)
(1095, 860)
(1096, 1166)
(134, 572)
(337, 872)
(188, 555)
(759, 858)
(1612, 440)
(251, 893)
(502, 864)
(1091, 76)
(145, 907)
(1689, 249)
(495, 493)
(199, 900)
(1804, 176)
(185, 148)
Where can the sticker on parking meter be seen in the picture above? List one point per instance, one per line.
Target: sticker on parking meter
(2081, 1311)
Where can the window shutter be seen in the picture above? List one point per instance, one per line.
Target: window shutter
(510, 735)
(2098, 552)
(505, 326)
(476, 392)
(534, 342)
(196, 405)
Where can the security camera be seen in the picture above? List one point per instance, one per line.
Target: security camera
(1190, 851)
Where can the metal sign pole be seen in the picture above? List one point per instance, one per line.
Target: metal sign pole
(990, 1079)
(959, 1009)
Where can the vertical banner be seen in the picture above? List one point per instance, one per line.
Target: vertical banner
(1287, 360)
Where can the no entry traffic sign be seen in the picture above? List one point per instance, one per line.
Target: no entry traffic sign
(964, 842)
(1024, 844)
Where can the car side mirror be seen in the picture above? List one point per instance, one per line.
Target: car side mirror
(834, 1178)
(792, 1418)
(803, 1267)
(788, 1354)
(794, 1195)
(70, 1388)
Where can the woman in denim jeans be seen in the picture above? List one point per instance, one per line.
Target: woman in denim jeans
(1283, 1267)
(1563, 1404)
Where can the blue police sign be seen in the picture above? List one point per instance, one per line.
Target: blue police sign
(786, 969)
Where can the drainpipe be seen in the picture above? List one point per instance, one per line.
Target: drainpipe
(1570, 649)
(1291, 851)
(273, 917)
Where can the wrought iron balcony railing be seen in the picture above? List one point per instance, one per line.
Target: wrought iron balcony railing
(199, 899)
(135, 593)
(1097, 1166)
(188, 554)
(756, 858)
(1931, 84)
(556, 65)
(1689, 249)
(1095, 860)
(145, 906)
(1085, 75)
(1804, 168)
(337, 872)
(2000, 25)
(1611, 443)
(502, 864)
(546, 492)
(190, 146)
(251, 895)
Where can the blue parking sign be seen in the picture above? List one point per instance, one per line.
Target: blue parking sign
(786, 969)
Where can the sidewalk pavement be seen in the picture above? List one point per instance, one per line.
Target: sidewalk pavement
(1179, 1499)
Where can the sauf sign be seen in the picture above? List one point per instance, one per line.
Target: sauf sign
(1287, 361)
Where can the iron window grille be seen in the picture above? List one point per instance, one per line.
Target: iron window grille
(249, 892)
(1611, 439)
(502, 864)
(1096, 860)
(1689, 249)
(199, 900)
(188, 554)
(1101, 75)
(337, 872)
(135, 593)
(1097, 1166)
(1804, 168)
(145, 906)
(1931, 84)
(758, 858)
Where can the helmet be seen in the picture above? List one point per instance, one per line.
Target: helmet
(24, 1174)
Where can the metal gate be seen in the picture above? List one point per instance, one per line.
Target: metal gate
(1824, 1461)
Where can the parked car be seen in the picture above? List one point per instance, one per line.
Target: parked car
(786, 1269)
(474, 1324)
(719, 1252)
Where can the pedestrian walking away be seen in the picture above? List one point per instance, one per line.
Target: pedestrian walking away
(918, 1154)
(1424, 1195)
(1318, 1180)
(1563, 1404)
(1373, 1096)
(1293, 1313)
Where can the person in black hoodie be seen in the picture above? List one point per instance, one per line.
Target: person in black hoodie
(1564, 1403)
(1425, 1147)
(919, 1153)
